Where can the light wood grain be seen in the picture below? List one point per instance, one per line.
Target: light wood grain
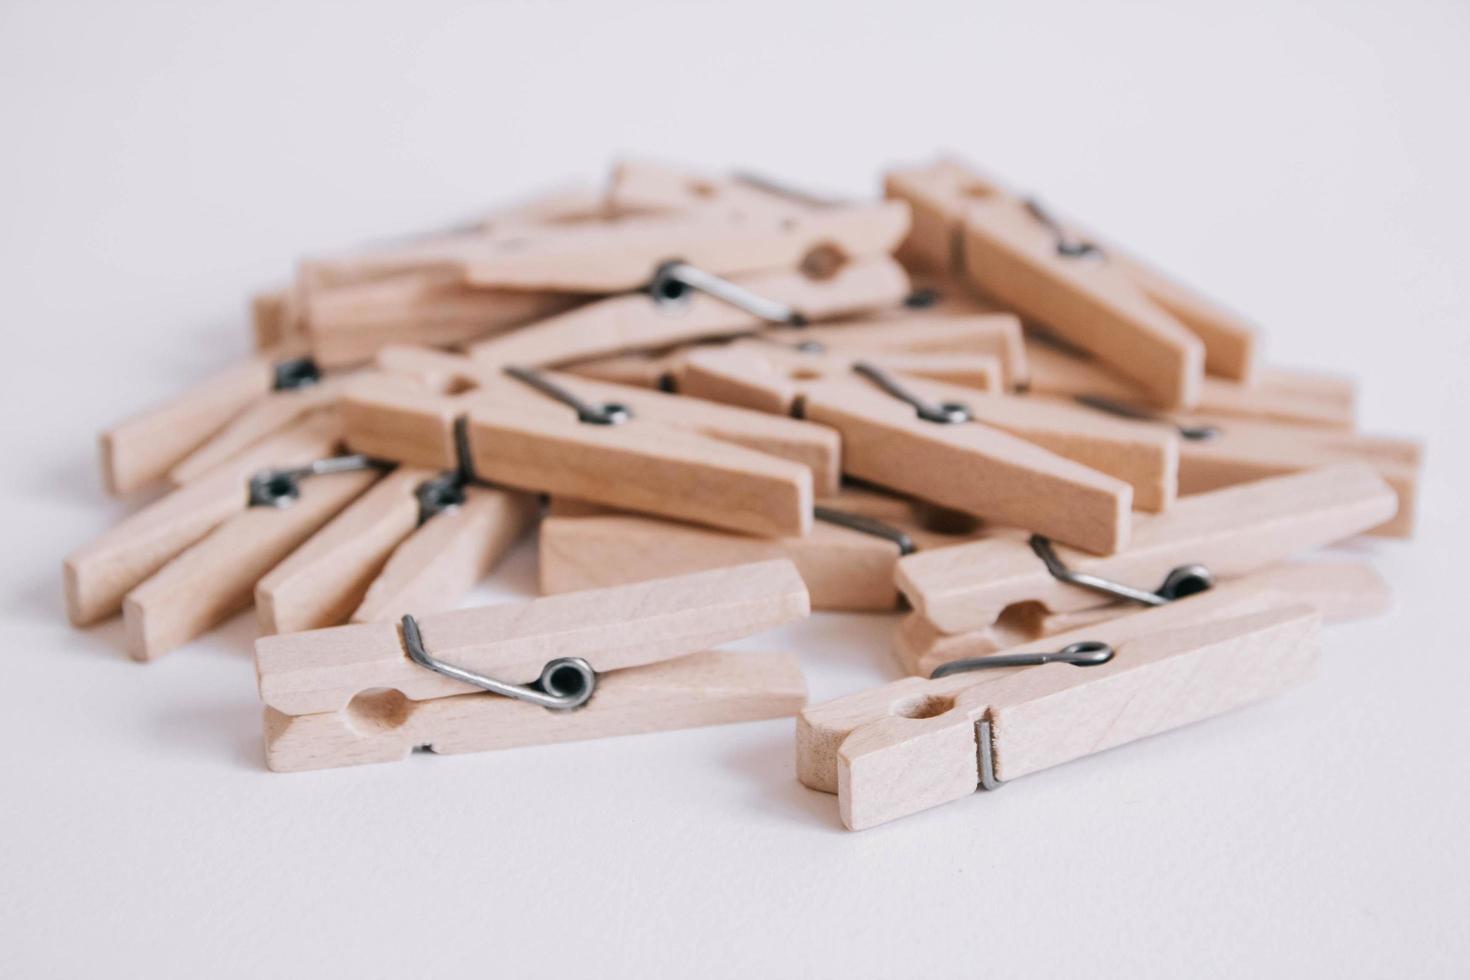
(433, 568)
(213, 578)
(711, 688)
(613, 628)
(996, 335)
(1231, 531)
(100, 573)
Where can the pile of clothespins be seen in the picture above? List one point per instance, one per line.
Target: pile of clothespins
(722, 403)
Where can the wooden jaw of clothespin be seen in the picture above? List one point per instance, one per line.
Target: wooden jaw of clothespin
(916, 743)
(1133, 319)
(847, 561)
(142, 449)
(1275, 394)
(100, 573)
(606, 662)
(622, 447)
(1226, 533)
(346, 570)
(1340, 590)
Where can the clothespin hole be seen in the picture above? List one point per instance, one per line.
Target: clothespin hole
(458, 385)
(805, 374)
(381, 709)
(823, 262)
(978, 190)
(702, 188)
(924, 706)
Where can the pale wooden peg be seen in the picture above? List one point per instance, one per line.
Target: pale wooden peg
(270, 321)
(323, 581)
(1045, 716)
(711, 688)
(1012, 255)
(441, 561)
(822, 728)
(972, 467)
(584, 547)
(647, 187)
(612, 629)
(1340, 590)
(641, 369)
(1242, 452)
(638, 321)
(1231, 532)
(996, 335)
(213, 578)
(101, 572)
(267, 415)
(141, 449)
(1276, 395)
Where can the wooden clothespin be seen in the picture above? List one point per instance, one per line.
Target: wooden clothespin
(623, 447)
(916, 743)
(352, 567)
(981, 594)
(142, 449)
(995, 457)
(1142, 326)
(102, 572)
(616, 661)
(847, 561)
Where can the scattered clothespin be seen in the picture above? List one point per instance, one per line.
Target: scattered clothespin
(981, 593)
(916, 743)
(623, 447)
(142, 449)
(847, 560)
(633, 658)
(1134, 320)
(332, 574)
(100, 573)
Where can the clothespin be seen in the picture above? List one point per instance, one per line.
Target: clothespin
(847, 560)
(1142, 326)
(623, 447)
(1276, 394)
(347, 569)
(981, 593)
(99, 574)
(143, 448)
(999, 458)
(628, 659)
(916, 743)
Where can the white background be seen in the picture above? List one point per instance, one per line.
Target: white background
(1305, 161)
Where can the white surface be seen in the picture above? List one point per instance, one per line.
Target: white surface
(161, 159)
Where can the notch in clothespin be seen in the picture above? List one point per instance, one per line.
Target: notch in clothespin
(593, 664)
(142, 449)
(416, 540)
(623, 447)
(847, 560)
(1142, 326)
(917, 743)
(977, 595)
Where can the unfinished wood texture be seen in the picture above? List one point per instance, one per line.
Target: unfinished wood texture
(1277, 395)
(349, 324)
(1231, 531)
(584, 547)
(623, 255)
(676, 457)
(648, 187)
(323, 581)
(994, 334)
(639, 369)
(1232, 346)
(1244, 452)
(1340, 590)
(140, 450)
(973, 468)
(613, 628)
(267, 415)
(1045, 716)
(101, 572)
(711, 688)
(441, 561)
(822, 728)
(636, 321)
(270, 324)
(213, 578)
